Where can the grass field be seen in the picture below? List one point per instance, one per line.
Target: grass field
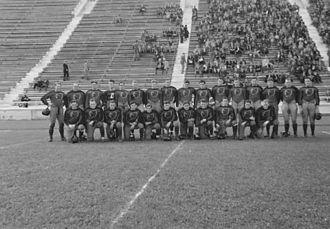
(281, 183)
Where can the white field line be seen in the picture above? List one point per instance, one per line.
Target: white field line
(326, 132)
(125, 210)
(19, 144)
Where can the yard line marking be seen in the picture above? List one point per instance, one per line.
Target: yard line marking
(326, 132)
(18, 144)
(140, 192)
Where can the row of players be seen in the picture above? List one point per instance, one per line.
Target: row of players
(216, 99)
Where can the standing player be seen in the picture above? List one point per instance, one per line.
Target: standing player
(132, 121)
(187, 116)
(58, 99)
(122, 97)
(169, 93)
(224, 116)
(203, 93)
(137, 95)
(220, 92)
(94, 94)
(204, 121)
(290, 96)
(254, 94)
(154, 96)
(247, 115)
(308, 104)
(76, 95)
(185, 94)
(74, 121)
(151, 124)
(266, 117)
(109, 95)
(113, 119)
(168, 121)
(272, 94)
(238, 95)
(94, 120)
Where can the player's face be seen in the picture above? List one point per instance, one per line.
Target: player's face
(133, 106)
(254, 82)
(308, 82)
(287, 83)
(186, 106)
(224, 102)
(149, 109)
(153, 84)
(186, 85)
(166, 106)
(247, 105)
(112, 106)
(110, 85)
(265, 104)
(220, 82)
(202, 85)
(94, 86)
(168, 83)
(74, 106)
(75, 87)
(57, 87)
(236, 83)
(92, 104)
(203, 105)
(121, 86)
(270, 83)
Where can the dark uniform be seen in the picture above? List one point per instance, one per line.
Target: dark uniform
(185, 95)
(169, 116)
(113, 119)
(247, 119)
(187, 120)
(169, 93)
(122, 99)
(132, 121)
(224, 116)
(267, 115)
(94, 94)
(290, 98)
(254, 94)
(204, 129)
(78, 96)
(74, 117)
(94, 119)
(151, 123)
(155, 98)
(137, 96)
(274, 96)
(219, 93)
(202, 94)
(107, 96)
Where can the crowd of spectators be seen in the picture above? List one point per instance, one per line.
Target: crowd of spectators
(235, 37)
(171, 12)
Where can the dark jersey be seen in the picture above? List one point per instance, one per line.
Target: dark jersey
(137, 96)
(254, 93)
(57, 98)
(202, 94)
(112, 115)
(153, 95)
(309, 94)
(95, 114)
(184, 114)
(263, 114)
(169, 93)
(78, 96)
(246, 114)
(272, 94)
(185, 95)
(132, 116)
(206, 113)
(107, 96)
(93, 94)
(288, 94)
(168, 116)
(237, 94)
(122, 98)
(73, 116)
(223, 113)
(220, 92)
(150, 117)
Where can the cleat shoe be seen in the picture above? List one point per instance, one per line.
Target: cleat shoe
(197, 137)
(50, 140)
(63, 139)
(240, 138)
(177, 138)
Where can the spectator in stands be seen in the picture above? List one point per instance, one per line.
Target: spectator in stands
(65, 71)
(194, 14)
(24, 99)
(143, 9)
(41, 84)
(118, 19)
(86, 70)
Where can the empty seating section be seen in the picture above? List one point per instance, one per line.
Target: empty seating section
(108, 47)
(281, 67)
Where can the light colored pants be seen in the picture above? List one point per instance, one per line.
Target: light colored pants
(308, 112)
(289, 109)
(69, 132)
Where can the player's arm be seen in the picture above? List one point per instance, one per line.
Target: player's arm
(297, 94)
(65, 100)
(211, 114)
(66, 117)
(317, 97)
(301, 95)
(81, 117)
(45, 97)
(278, 96)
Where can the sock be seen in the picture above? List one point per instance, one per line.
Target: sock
(102, 132)
(305, 128)
(295, 127)
(268, 129)
(234, 131)
(141, 133)
(312, 129)
(61, 130)
(51, 130)
(275, 128)
(286, 127)
(190, 131)
(176, 130)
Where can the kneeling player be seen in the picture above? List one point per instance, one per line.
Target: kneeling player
(225, 117)
(113, 117)
(94, 120)
(266, 117)
(204, 121)
(132, 121)
(168, 121)
(73, 120)
(150, 120)
(247, 115)
(187, 120)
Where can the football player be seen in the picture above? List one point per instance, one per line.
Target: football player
(185, 94)
(121, 96)
(169, 93)
(247, 119)
(94, 94)
(137, 95)
(224, 116)
(187, 118)
(109, 95)
(204, 121)
(169, 121)
(309, 101)
(151, 123)
(74, 121)
(154, 97)
(266, 117)
(94, 120)
(58, 99)
(272, 94)
(220, 92)
(132, 121)
(202, 93)
(254, 93)
(290, 96)
(76, 95)
(113, 119)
